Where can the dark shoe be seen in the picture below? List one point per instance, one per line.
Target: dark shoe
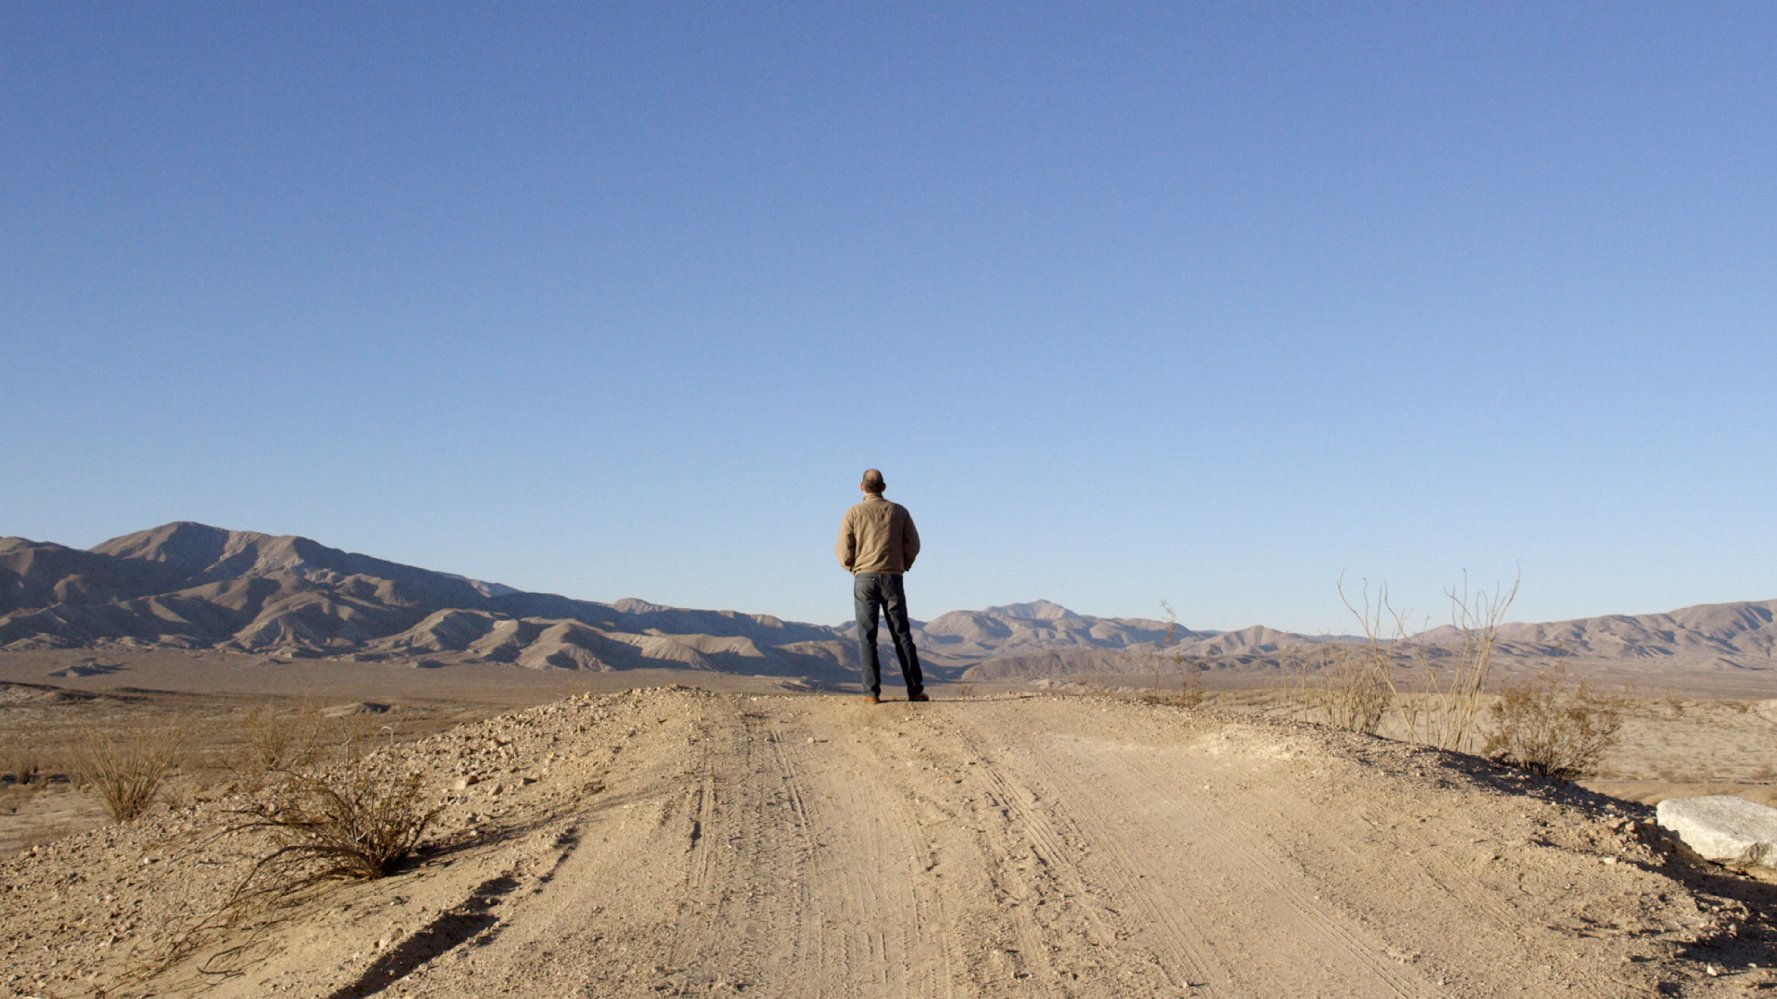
(873, 698)
(919, 697)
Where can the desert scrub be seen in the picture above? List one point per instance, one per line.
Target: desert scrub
(1451, 667)
(127, 768)
(1354, 689)
(276, 741)
(1169, 658)
(13, 798)
(1551, 726)
(1191, 692)
(21, 764)
(352, 821)
(299, 831)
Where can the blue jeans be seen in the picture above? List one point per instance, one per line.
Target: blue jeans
(871, 592)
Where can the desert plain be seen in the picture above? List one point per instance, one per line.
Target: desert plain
(678, 832)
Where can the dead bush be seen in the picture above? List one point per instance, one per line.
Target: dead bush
(1353, 690)
(282, 741)
(21, 765)
(350, 822)
(126, 769)
(1452, 667)
(1191, 692)
(1550, 726)
(1169, 658)
(356, 817)
(1476, 618)
(1164, 654)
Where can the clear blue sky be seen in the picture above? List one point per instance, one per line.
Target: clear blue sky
(1208, 303)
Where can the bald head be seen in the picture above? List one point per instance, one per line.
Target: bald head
(872, 481)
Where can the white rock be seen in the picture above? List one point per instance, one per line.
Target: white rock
(1723, 828)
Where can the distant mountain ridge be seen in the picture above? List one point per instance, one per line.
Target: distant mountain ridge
(192, 585)
(1728, 632)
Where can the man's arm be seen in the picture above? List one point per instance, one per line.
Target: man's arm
(909, 540)
(847, 549)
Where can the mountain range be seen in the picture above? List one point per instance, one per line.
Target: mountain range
(190, 585)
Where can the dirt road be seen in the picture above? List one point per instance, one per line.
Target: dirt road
(683, 843)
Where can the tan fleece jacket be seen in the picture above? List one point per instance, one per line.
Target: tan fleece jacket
(877, 536)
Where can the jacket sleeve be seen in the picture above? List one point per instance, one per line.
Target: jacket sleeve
(847, 549)
(909, 541)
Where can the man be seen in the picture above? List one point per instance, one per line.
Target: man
(877, 543)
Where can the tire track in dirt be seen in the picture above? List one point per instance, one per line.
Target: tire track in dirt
(1114, 816)
(709, 814)
(826, 940)
(816, 847)
(1275, 898)
(987, 843)
(1062, 844)
(864, 913)
(762, 740)
(958, 897)
(1444, 862)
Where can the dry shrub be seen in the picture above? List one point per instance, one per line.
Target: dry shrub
(23, 772)
(1164, 653)
(21, 765)
(1477, 618)
(1354, 689)
(1188, 694)
(282, 741)
(350, 823)
(1550, 726)
(357, 819)
(1191, 690)
(1453, 673)
(1167, 657)
(126, 769)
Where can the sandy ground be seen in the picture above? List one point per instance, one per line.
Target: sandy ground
(49, 699)
(1682, 735)
(683, 842)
